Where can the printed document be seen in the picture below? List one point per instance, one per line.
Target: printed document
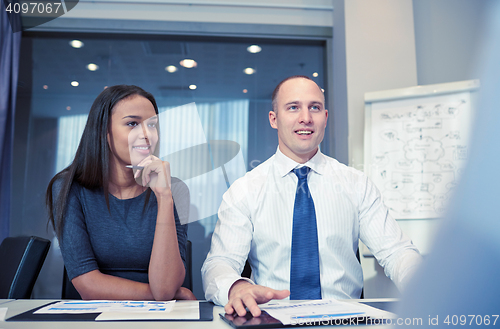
(289, 312)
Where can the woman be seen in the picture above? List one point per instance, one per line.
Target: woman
(119, 240)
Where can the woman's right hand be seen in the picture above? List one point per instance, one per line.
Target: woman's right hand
(156, 175)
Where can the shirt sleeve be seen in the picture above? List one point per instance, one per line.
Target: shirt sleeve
(75, 243)
(230, 246)
(393, 249)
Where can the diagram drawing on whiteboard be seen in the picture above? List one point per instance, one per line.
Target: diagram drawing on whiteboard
(418, 150)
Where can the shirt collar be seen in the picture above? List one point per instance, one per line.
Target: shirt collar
(284, 164)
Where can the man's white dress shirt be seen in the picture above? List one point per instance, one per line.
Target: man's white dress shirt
(256, 219)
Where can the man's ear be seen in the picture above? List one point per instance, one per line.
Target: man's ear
(272, 119)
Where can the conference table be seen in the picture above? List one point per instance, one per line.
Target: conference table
(15, 307)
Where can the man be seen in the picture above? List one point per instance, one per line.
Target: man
(261, 216)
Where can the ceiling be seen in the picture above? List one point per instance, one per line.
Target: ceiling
(142, 60)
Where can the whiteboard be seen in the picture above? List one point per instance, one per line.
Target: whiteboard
(416, 145)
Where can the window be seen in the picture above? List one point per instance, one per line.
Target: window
(228, 82)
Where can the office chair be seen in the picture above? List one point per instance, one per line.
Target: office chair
(21, 259)
(188, 279)
(69, 291)
(247, 270)
(358, 256)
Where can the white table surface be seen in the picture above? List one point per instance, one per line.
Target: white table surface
(22, 305)
(2, 301)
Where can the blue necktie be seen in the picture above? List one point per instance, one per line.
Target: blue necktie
(304, 269)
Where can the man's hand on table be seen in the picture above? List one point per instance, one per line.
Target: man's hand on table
(244, 294)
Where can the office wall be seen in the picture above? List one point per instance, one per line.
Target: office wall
(294, 12)
(448, 39)
(448, 34)
(120, 15)
(372, 47)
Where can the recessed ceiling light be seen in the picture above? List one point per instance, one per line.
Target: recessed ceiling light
(245, 91)
(315, 74)
(76, 44)
(68, 108)
(188, 63)
(249, 70)
(192, 87)
(75, 83)
(254, 49)
(171, 69)
(45, 87)
(92, 67)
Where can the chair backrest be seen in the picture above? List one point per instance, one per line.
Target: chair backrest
(362, 296)
(188, 279)
(21, 259)
(247, 270)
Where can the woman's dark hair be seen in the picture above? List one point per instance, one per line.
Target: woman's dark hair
(90, 168)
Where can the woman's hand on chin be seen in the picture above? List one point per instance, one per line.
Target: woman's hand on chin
(156, 175)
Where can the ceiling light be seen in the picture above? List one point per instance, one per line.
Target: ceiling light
(192, 87)
(254, 49)
(249, 70)
(171, 69)
(315, 74)
(93, 67)
(245, 91)
(68, 108)
(45, 87)
(74, 83)
(76, 44)
(188, 63)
